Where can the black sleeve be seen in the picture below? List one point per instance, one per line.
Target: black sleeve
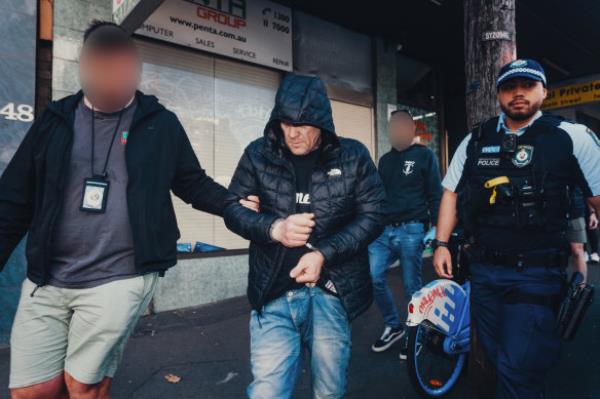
(383, 167)
(191, 183)
(251, 225)
(368, 222)
(17, 194)
(433, 187)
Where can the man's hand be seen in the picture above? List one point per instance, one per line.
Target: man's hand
(251, 202)
(309, 267)
(442, 262)
(593, 223)
(293, 231)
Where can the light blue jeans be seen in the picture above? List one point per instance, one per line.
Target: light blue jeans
(404, 243)
(307, 317)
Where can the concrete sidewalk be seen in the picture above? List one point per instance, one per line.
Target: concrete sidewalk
(208, 348)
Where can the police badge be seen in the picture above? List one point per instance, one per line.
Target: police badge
(523, 156)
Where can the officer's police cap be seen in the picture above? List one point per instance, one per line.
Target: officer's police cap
(527, 68)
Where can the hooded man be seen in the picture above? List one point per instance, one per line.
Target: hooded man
(321, 205)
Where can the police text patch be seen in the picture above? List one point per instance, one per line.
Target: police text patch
(488, 162)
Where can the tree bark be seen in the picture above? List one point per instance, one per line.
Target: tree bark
(489, 44)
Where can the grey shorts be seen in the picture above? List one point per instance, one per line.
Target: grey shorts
(80, 331)
(576, 231)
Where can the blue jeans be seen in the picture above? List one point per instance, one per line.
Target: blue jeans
(404, 243)
(519, 339)
(307, 317)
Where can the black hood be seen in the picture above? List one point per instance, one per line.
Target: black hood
(301, 100)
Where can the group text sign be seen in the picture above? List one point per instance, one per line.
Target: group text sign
(257, 31)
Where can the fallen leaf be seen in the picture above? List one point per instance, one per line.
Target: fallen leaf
(172, 378)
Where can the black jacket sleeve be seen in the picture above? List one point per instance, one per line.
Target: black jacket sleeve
(17, 194)
(367, 225)
(191, 183)
(433, 188)
(245, 222)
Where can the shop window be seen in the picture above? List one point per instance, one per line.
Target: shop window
(223, 105)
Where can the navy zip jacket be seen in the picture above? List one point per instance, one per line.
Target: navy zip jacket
(159, 159)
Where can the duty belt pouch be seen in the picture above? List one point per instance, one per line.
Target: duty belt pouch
(574, 306)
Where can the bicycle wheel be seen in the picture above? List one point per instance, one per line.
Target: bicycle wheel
(432, 372)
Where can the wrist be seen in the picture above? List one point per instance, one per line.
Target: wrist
(439, 244)
(274, 230)
(320, 255)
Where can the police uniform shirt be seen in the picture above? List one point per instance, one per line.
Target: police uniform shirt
(583, 170)
(586, 151)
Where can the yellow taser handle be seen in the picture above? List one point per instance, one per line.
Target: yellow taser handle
(493, 183)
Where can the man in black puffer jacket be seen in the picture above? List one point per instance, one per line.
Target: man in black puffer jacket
(321, 205)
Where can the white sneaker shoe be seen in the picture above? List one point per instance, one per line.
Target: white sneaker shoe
(595, 258)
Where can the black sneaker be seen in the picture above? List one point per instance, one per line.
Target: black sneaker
(389, 337)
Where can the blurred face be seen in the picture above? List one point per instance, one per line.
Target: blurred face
(109, 78)
(521, 98)
(301, 140)
(401, 131)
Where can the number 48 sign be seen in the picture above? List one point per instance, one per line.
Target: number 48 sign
(21, 112)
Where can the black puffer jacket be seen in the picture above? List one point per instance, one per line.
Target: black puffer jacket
(346, 197)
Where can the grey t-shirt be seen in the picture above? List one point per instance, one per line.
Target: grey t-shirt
(91, 249)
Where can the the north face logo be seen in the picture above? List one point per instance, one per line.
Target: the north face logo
(334, 172)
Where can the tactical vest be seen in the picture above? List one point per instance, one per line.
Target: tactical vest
(523, 184)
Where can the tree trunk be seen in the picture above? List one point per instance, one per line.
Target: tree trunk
(489, 44)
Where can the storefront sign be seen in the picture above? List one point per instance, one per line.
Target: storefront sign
(257, 31)
(570, 95)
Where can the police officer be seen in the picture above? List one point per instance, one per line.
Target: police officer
(508, 185)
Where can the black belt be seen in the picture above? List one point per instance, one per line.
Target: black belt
(400, 224)
(548, 258)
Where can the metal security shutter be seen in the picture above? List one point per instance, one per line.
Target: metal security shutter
(244, 98)
(223, 106)
(356, 122)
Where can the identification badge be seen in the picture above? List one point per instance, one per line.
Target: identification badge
(95, 193)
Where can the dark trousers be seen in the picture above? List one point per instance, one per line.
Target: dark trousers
(519, 339)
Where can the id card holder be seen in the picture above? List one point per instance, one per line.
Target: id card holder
(95, 194)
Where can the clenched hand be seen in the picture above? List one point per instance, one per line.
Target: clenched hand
(294, 230)
(309, 267)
